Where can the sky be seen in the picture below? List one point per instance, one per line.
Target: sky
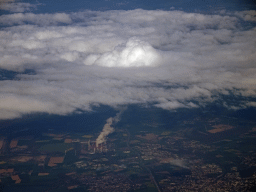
(63, 57)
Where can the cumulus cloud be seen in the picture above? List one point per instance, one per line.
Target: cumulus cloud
(171, 59)
(135, 53)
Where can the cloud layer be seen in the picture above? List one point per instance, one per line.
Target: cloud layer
(171, 59)
(10, 5)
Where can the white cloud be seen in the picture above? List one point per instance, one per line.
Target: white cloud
(168, 58)
(170, 105)
(247, 15)
(10, 5)
(38, 19)
(135, 53)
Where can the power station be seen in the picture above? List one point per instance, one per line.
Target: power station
(96, 147)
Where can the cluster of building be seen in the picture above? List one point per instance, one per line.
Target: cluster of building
(177, 151)
(110, 182)
(94, 146)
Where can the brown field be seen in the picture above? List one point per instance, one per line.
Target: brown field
(13, 143)
(1, 144)
(219, 156)
(253, 130)
(23, 147)
(57, 138)
(220, 128)
(134, 141)
(55, 160)
(24, 158)
(52, 164)
(68, 141)
(43, 174)
(163, 173)
(6, 171)
(16, 178)
(165, 160)
(71, 173)
(72, 187)
(149, 137)
(54, 135)
(40, 158)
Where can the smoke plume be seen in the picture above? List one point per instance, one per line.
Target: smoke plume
(179, 163)
(107, 129)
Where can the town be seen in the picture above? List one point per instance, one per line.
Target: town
(170, 160)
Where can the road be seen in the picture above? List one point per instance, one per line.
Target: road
(141, 163)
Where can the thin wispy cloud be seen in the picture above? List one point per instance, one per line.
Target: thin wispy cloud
(13, 6)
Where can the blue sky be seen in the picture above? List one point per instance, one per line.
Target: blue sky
(185, 5)
(65, 57)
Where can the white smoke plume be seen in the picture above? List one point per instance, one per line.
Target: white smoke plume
(179, 163)
(107, 129)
